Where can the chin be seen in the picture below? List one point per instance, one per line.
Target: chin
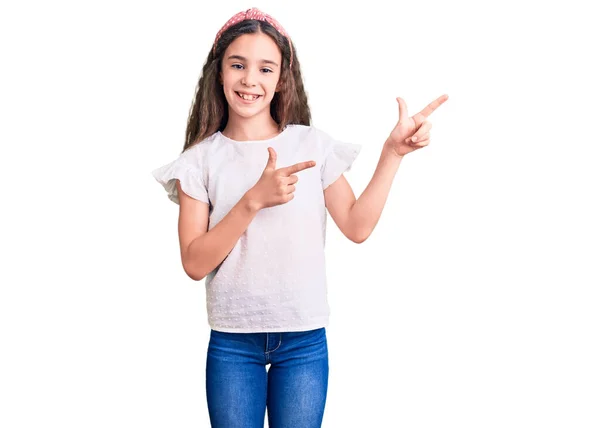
(248, 114)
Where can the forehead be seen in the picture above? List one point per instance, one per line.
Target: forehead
(256, 46)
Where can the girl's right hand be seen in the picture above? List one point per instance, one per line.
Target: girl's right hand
(276, 186)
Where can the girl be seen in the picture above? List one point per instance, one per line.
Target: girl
(253, 184)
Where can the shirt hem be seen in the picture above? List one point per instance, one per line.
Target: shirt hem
(270, 329)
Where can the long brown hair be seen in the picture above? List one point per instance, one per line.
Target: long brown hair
(209, 111)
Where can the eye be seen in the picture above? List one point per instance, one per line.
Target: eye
(240, 67)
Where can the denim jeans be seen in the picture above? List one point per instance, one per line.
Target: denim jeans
(240, 389)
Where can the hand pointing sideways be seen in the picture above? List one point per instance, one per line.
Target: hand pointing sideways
(276, 186)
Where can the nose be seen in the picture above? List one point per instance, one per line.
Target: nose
(249, 78)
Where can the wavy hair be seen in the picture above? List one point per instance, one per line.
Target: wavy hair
(209, 111)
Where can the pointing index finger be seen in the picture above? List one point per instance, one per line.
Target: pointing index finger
(289, 170)
(432, 106)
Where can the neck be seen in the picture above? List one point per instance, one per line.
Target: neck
(260, 127)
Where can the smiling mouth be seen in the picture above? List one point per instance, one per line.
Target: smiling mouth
(248, 97)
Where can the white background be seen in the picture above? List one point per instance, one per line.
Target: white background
(473, 304)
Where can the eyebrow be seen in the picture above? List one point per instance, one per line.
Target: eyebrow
(264, 61)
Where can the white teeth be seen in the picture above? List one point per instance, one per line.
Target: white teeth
(248, 97)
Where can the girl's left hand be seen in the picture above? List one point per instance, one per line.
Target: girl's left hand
(412, 133)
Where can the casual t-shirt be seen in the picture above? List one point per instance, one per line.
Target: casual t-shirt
(274, 278)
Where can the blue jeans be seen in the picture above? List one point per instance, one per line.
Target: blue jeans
(239, 388)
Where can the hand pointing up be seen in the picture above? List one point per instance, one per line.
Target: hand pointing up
(412, 133)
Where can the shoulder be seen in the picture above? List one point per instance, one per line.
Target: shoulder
(323, 142)
(198, 152)
(309, 133)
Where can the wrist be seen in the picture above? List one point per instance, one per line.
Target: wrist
(389, 151)
(251, 203)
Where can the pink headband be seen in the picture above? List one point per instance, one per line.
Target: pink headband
(254, 13)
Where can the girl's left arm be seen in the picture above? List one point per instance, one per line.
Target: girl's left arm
(356, 218)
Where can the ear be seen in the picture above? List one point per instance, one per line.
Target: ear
(221, 77)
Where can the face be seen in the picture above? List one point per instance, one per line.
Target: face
(250, 72)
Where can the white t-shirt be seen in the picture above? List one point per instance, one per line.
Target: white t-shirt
(274, 279)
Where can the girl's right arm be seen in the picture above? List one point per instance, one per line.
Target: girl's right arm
(203, 250)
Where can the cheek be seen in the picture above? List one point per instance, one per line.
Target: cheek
(227, 78)
(273, 86)
(226, 82)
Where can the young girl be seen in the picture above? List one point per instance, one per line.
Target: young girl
(253, 184)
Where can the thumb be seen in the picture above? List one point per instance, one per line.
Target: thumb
(402, 110)
(271, 163)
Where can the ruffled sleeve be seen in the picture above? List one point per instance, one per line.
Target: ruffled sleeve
(189, 175)
(338, 158)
